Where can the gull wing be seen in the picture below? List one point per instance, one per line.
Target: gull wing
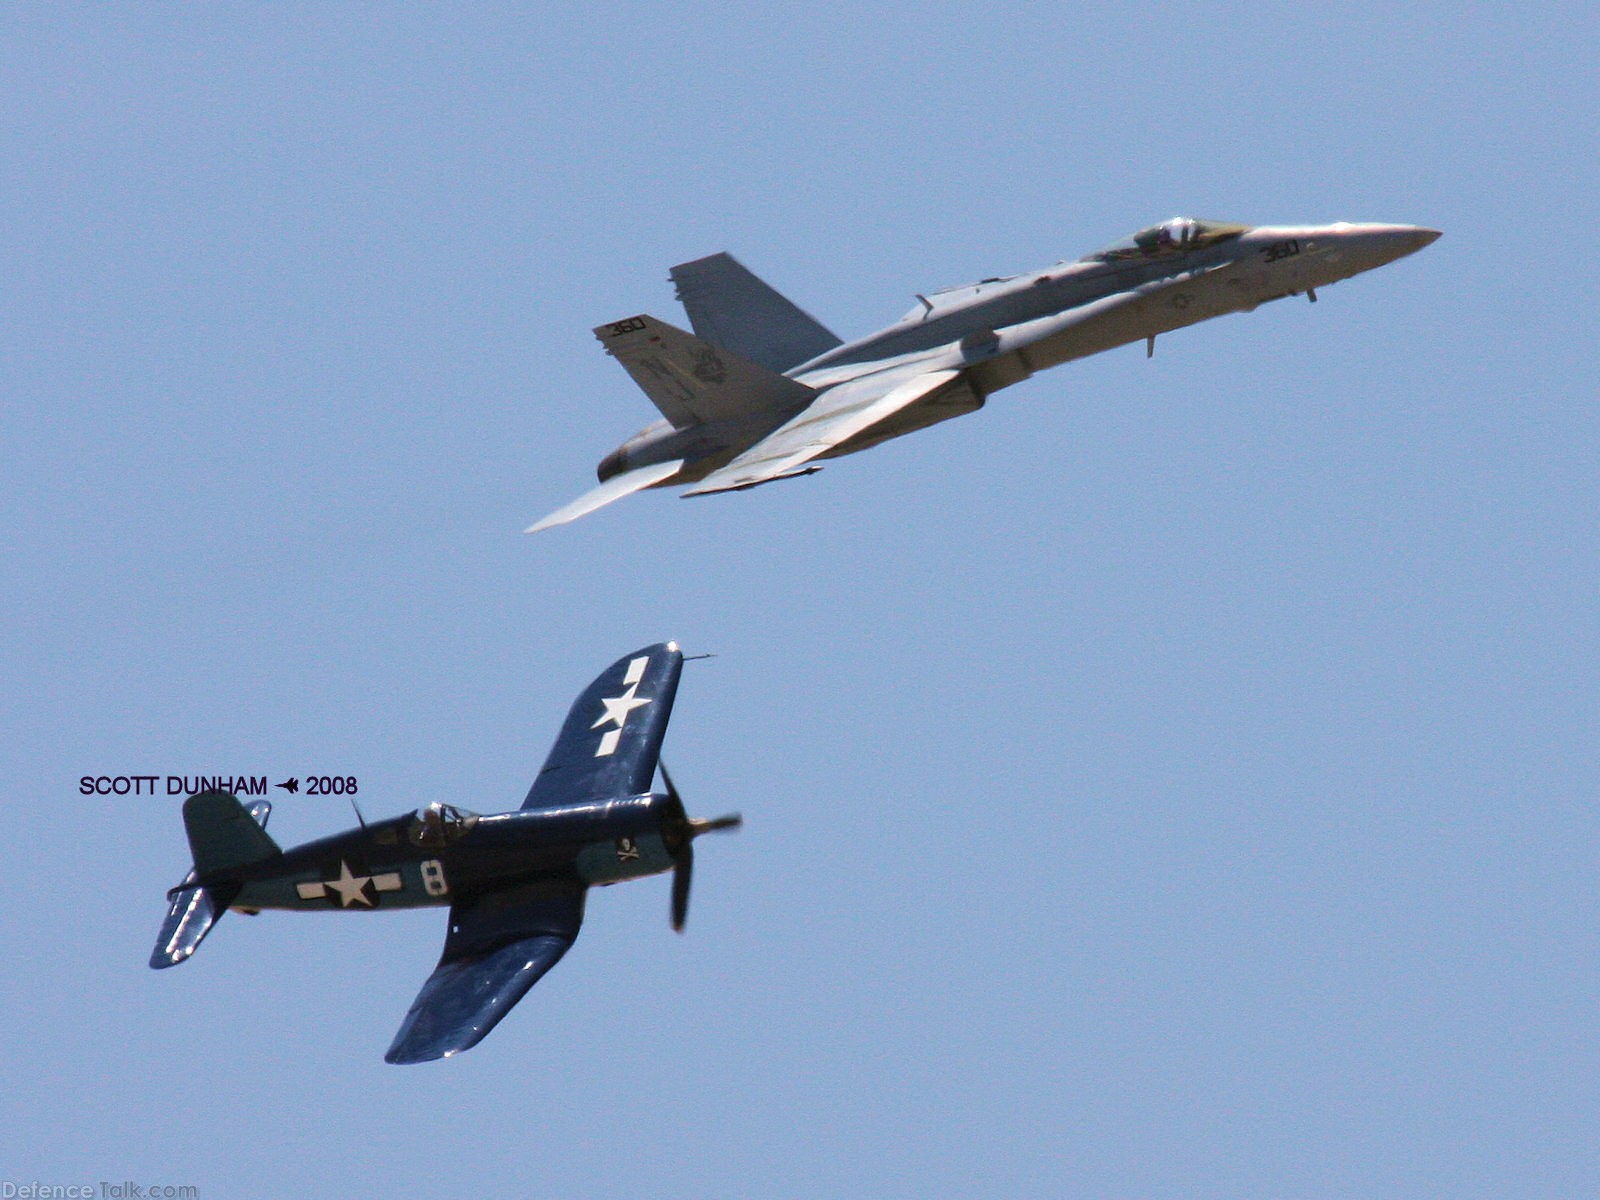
(614, 488)
(500, 944)
(612, 736)
(844, 411)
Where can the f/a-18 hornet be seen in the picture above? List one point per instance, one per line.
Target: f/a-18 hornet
(515, 881)
(760, 389)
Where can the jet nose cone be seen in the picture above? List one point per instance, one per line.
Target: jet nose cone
(1369, 246)
(1403, 238)
(1400, 240)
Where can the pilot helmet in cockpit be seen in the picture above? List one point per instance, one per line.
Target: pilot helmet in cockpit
(1176, 233)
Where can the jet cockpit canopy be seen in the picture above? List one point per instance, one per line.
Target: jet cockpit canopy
(1169, 237)
(440, 824)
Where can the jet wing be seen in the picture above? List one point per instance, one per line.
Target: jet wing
(500, 944)
(839, 414)
(612, 736)
(614, 488)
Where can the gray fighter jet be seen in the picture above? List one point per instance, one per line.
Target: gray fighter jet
(761, 390)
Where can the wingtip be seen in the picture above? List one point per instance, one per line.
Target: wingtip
(614, 488)
(559, 517)
(401, 1055)
(401, 1060)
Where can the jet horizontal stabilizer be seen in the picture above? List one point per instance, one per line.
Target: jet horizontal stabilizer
(614, 488)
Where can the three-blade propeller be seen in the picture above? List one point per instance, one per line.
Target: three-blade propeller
(679, 831)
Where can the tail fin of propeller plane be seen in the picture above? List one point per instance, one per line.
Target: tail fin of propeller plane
(613, 732)
(223, 835)
(614, 488)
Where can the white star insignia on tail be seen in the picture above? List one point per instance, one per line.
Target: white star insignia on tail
(618, 708)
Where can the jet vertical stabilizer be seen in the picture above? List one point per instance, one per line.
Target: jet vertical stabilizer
(692, 381)
(732, 308)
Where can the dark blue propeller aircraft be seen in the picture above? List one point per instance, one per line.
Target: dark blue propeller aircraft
(515, 882)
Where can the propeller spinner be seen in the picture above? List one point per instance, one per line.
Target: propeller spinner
(679, 831)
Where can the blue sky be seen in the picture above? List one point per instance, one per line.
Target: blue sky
(1176, 779)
